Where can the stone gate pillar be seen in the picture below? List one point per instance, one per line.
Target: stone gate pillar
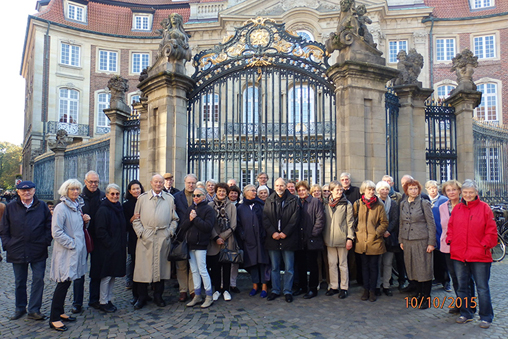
(58, 146)
(163, 120)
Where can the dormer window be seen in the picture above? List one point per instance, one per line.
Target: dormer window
(76, 12)
(142, 22)
(481, 4)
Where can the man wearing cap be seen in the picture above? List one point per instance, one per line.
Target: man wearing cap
(25, 230)
(168, 184)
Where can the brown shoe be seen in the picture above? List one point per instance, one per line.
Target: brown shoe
(372, 296)
(183, 297)
(365, 295)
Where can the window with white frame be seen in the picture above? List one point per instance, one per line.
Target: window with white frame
(210, 105)
(76, 12)
(445, 49)
(487, 110)
(489, 164)
(485, 47)
(70, 54)
(141, 22)
(394, 47)
(301, 104)
(139, 62)
(68, 105)
(102, 104)
(108, 61)
(248, 177)
(443, 92)
(477, 4)
(251, 105)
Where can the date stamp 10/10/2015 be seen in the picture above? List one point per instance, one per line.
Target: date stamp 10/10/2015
(445, 302)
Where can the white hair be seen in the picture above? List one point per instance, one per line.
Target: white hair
(112, 186)
(67, 185)
(90, 173)
(382, 184)
(263, 188)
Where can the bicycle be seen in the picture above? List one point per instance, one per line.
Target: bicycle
(500, 216)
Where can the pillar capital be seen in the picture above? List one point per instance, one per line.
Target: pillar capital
(464, 101)
(412, 93)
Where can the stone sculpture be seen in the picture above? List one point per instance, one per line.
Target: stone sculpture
(464, 64)
(118, 86)
(410, 65)
(61, 140)
(175, 41)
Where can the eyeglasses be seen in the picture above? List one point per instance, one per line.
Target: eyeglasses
(197, 195)
(115, 194)
(326, 191)
(93, 182)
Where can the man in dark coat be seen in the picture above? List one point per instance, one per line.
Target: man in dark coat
(280, 215)
(351, 192)
(25, 230)
(92, 197)
(262, 179)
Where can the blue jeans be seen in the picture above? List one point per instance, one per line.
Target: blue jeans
(289, 262)
(197, 262)
(481, 274)
(20, 277)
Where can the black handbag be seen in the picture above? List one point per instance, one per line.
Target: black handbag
(227, 256)
(179, 250)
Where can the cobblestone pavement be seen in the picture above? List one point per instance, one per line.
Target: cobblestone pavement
(253, 317)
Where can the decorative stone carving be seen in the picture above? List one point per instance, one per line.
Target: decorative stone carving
(175, 41)
(61, 140)
(118, 86)
(464, 64)
(420, 37)
(289, 4)
(143, 75)
(410, 65)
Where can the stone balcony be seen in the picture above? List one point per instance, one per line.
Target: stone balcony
(79, 130)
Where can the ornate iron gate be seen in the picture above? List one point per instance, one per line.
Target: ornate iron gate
(262, 103)
(392, 135)
(130, 159)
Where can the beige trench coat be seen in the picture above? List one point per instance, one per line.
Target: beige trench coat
(157, 220)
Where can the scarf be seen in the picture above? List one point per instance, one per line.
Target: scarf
(433, 201)
(369, 203)
(333, 202)
(222, 216)
(388, 204)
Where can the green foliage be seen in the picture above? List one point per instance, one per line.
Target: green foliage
(10, 161)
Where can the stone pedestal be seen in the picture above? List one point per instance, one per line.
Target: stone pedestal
(59, 151)
(465, 102)
(360, 118)
(163, 122)
(411, 132)
(117, 118)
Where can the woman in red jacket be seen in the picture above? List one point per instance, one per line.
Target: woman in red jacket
(472, 233)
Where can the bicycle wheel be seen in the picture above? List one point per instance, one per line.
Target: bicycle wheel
(499, 251)
(504, 237)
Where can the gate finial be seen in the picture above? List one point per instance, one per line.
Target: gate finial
(464, 64)
(175, 41)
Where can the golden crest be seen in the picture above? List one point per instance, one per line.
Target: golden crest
(259, 21)
(260, 37)
(258, 62)
(235, 50)
(227, 38)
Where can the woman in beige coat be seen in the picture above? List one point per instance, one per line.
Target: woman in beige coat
(371, 224)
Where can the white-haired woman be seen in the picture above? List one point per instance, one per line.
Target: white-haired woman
(263, 192)
(371, 225)
(390, 237)
(109, 256)
(68, 261)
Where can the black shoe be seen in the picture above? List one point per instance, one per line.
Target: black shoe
(159, 302)
(133, 301)
(96, 305)
(107, 308)
(308, 295)
(111, 304)
(299, 291)
(139, 304)
(342, 294)
(365, 295)
(37, 316)
(61, 328)
(272, 296)
(409, 289)
(323, 285)
(331, 292)
(424, 302)
(454, 310)
(129, 285)
(234, 289)
(76, 309)
(387, 292)
(289, 298)
(377, 292)
(67, 318)
(17, 315)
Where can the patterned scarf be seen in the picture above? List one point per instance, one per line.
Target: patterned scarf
(333, 202)
(222, 217)
(369, 202)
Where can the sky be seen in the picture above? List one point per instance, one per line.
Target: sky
(13, 25)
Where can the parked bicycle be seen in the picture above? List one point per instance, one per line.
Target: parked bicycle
(501, 217)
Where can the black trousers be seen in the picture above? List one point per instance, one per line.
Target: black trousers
(370, 271)
(220, 273)
(441, 272)
(423, 288)
(306, 260)
(58, 302)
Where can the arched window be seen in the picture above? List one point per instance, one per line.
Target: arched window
(68, 105)
(488, 106)
(301, 104)
(306, 35)
(443, 92)
(210, 104)
(251, 105)
(102, 104)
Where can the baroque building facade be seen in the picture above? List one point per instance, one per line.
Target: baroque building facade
(73, 47)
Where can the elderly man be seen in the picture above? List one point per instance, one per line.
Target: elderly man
(280, 217)
(25, 230)
(92, 196)
(232, 182)
(393, 194)
(169, 180)
(291, 186)
(351, 192)
(262, 179)
(156, 224)
(183, 200)
(210, 189)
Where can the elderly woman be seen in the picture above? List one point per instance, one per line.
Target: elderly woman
(234, 194)
(390, 236)
(338, 234)
(222, 236)
(68, 261)
(440, 269)
(326, 192)
(371, 225)
(210, 189)
(253, 234)
(109, 256)
(134, 190)
(263, 192)
(312, 221)
(196, 227)
(472, 232)
(417, 238)
(317, 192)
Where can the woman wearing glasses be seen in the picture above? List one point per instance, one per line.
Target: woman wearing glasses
(196, 227)
(109, 256)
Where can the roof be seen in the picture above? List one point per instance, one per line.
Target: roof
(461, 8)
(115, 17)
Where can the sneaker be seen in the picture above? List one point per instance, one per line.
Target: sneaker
(216, 295)
(196, 300)
(226, 295)
(463, 320)
(485, 324)
(208, 302)
(447, 287)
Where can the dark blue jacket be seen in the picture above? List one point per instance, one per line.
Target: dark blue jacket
(289, 215)
(311, 223)
(199, 230)
(26, 233)
(252, 234)
(181, 205)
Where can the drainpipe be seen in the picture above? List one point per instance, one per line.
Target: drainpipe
(45, 84)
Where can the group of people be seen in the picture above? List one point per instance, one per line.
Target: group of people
(331, 232)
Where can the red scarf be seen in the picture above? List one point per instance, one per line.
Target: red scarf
(370, 202)
(332, 203)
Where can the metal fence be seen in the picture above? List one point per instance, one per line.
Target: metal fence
(392, 132)
(44, 177)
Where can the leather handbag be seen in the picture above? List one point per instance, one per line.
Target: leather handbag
(179, 250)
(88, 240)
(227, 256)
